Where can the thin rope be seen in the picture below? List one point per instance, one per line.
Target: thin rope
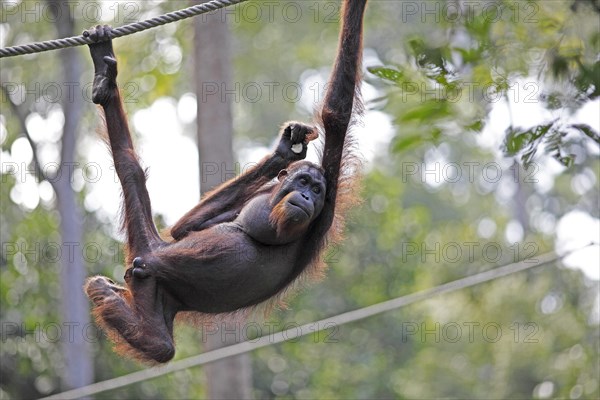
(120, 31)
(299, 331)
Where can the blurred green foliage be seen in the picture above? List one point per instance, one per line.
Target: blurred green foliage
(530, 335)
(481, 58)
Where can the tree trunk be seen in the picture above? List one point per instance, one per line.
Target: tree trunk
(78, 369)
(230, 378)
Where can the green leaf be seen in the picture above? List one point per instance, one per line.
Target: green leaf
(527, 142)
(403, 143)
(469, 56)
(433, 59)
(588, 131)
(476, 126)
(431, 109)
(389, 74)
(567, 161)
(554, 144)
(559, 65)
(515, 141)
(528, 156)
(553, 100)
(588, 79)
(406, 142)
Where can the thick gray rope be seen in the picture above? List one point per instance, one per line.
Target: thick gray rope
(311, 328)
(120, 31)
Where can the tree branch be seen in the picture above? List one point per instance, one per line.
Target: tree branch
(21, 114)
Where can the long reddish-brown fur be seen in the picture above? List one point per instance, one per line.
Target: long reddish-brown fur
(140, 316)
